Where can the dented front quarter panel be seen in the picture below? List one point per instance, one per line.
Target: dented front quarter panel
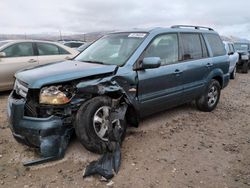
(124, 84)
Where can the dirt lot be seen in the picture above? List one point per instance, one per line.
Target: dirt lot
(182, 147)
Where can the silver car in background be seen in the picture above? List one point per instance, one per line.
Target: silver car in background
(21, 54)
(233, 57)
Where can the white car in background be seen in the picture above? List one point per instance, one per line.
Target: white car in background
(72, 44)
(233, 57)
(21, 54)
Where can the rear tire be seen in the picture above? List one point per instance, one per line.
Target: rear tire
(209, 100)
(93, 133)
(245, 67)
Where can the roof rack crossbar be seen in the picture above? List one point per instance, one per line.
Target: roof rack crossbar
(192, 26)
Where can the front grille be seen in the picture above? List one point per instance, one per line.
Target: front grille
(30, 109)
(21, 88)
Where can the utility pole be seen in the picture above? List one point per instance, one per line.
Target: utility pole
(60, 35)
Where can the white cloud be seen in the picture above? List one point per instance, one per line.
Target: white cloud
(29, 16)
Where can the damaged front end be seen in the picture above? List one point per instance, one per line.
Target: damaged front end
(45, 127)
(44, 118)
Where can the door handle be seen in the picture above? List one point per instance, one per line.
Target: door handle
(32, 61)
(177, 72)
(209, 65)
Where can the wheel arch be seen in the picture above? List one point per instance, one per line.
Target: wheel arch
(113, 90)
(216, 74)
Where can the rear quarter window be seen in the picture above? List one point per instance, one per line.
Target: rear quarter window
(216, 44)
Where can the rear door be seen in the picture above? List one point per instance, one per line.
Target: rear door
(220, 59)
(18, 56)
(161, 88)
(196, 64)
(233, 58)
(48, 53)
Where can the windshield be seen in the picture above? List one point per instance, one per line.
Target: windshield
(241, 46)
(113, 49)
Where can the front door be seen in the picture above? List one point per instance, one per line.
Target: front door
(161, 88)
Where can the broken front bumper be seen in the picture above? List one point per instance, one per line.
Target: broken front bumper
(50, 134)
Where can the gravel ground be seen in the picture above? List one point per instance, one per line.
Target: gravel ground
(181, 147)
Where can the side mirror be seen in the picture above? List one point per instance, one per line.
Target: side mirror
(2, 54)
(150, 63)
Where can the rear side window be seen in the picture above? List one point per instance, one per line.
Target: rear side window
(216, 44)
(63, 51)
(19, 50)
(47, 49)
(50, 49)
(165, 47)
(192, 46)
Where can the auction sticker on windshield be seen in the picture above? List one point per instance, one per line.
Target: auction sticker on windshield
(137, 35)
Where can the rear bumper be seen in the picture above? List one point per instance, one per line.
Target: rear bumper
(29, 130)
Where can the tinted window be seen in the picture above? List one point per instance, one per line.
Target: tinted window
(47, 49)
(76, 44)
(192, 48)
(19, 50)
(216, 44)
(73, 44)
(241, 46)
(63, 51)
(164, 47)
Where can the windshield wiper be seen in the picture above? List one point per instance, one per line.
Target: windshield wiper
(97, 62)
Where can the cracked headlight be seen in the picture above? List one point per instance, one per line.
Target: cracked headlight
(54, 95)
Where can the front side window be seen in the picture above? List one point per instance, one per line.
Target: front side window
(19, 50)
(113, 49)
(165, 47)
(192, 48)
(47, 49)
(216, 44)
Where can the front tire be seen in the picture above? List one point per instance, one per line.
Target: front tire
(91, 124)
(209, 100)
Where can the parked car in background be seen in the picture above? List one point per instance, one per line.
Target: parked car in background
(244, 56)
(233, 58)
(73, 44)
(84, 46)
(119, 79)
(22, 54)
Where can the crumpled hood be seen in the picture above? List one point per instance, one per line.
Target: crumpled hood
(61, 72)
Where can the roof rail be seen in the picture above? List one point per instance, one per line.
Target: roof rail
(192, 26)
